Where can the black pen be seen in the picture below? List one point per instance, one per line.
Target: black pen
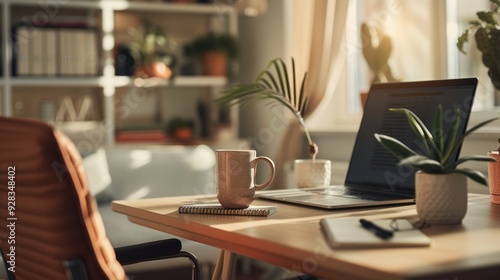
(380, 232)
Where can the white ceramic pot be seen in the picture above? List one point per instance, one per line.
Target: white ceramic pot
(309, 173)
(441, 198)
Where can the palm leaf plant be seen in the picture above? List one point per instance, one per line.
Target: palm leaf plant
(278, 85)
(438, 147)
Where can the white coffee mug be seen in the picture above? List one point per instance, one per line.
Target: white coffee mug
(309, 173)
(235, 172)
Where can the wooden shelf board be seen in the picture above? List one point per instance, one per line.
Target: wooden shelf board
(180, 81)
(187, 81)
(57, 81)
(121, 5)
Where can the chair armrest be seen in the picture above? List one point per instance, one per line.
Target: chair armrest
(75, 269)
(156, 250)
(162, 249)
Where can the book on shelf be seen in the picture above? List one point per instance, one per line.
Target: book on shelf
(37, 53)
(141, 136)
(217, 209)
(54, 49)
(21, 58)
(50, 50)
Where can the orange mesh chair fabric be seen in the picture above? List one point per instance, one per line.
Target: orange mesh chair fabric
(47, 215)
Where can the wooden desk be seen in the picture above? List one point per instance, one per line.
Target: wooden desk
(291, 238)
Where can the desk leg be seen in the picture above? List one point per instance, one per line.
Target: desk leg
(227, 268)
(224, 266)
(218, 266)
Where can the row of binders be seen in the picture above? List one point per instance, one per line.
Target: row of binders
(55, 51)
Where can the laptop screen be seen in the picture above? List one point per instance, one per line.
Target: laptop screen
(372, 166)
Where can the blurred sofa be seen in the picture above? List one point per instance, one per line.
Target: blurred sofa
(129, 172)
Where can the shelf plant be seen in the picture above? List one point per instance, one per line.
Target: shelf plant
(215, 42)
(214, 49)
(276, 83)
(153, 50)
(180, 129)
(486, 31)
(438, 145)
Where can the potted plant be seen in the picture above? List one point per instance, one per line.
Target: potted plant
(440, 185)
(275, 84)
(180, 129)
(153, 49)
(214, 50)
(494, 175)
(487, 36)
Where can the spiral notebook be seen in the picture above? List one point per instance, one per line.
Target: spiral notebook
(217, 209)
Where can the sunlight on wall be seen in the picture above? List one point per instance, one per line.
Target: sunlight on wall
(139, 158)
(142, 192)
(202, 158)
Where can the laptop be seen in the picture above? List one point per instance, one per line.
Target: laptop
(373, 177)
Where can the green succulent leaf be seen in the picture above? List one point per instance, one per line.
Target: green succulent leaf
(473, 174)
(423, 163)
(420, 131)
(472, 158)
(478, 126)
(451, 143)
(437, 129)
(394, 146)
(469, 131)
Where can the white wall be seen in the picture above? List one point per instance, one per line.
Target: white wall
(262, 39)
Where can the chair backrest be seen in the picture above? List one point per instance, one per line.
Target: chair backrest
(46, 207)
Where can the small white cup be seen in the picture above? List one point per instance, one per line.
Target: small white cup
(235, 173)
(309, 173)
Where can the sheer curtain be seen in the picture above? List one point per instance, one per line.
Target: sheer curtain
(317, 46)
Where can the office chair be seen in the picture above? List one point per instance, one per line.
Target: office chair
(50, 226)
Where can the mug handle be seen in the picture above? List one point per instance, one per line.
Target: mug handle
(254, 162)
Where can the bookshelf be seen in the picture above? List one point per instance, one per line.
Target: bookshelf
(111, 18)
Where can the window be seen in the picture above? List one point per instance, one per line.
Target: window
(470, 64)
(423, 36)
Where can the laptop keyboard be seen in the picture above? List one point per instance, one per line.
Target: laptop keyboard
(355, 194)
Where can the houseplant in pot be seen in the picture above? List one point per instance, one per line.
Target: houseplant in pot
(214, 50)
(486, 30)
(494, 175)
(180, 129)
(278, 83)
(153, 50)
(440, 185)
